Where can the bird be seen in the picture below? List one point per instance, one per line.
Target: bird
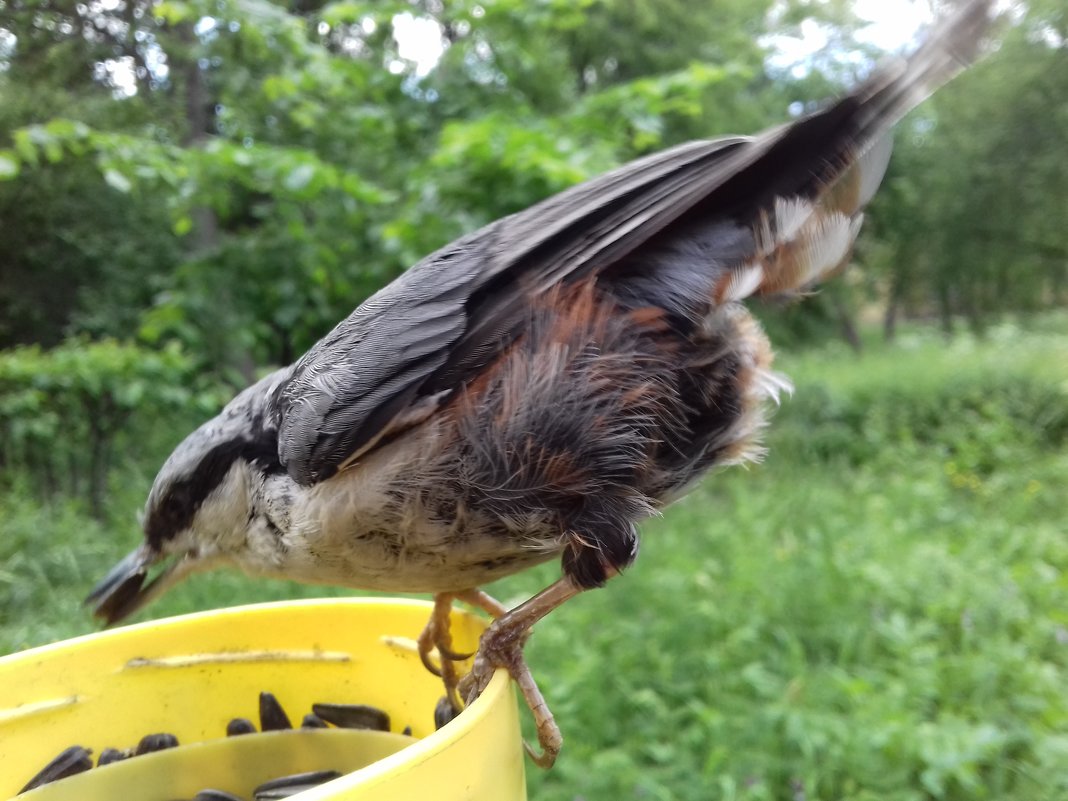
(537, 388)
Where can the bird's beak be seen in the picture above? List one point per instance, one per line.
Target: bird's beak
(123, 590)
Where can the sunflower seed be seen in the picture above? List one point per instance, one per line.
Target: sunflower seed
(240, 726)
(272, 716)
(312, 721)
(210, 794)
(353, 716)
(69, 762)
(444, 712)
(286, 786)
(109, 755)
(155, 742)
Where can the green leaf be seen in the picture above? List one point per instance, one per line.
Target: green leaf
(173, 12)
(25, 146)
(9, 165)
(299, 177)
(116, 180)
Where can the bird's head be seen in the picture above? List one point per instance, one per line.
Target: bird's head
(199, 507)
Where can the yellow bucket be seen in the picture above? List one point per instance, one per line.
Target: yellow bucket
(189, 675)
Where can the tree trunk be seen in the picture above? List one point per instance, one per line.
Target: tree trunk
(285, 353)
(98, 479)
(103, 424)
(945, 310)
(890, 319)
(893, 306)
(847, 325)
(200, 126)
(199, 117)
(74, 469)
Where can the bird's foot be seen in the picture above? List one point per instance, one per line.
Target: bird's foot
(502, 647)
(436, 636)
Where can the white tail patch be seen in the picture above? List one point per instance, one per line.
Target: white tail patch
(802, 244)
(741, 283)
(790, 215)
(822, 246)
(800, 241)
(871, 167)
(855, 225)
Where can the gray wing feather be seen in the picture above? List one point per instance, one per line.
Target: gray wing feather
(426, 332)
(372, 360)
(370, 367)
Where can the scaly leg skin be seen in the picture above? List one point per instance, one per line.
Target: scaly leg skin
(484, 601)
(437, 635)
(502, 646)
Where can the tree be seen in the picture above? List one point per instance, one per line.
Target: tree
(270, 165)
(974, 212)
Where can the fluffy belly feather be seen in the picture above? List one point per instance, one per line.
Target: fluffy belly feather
(596, 421)
(380, 525)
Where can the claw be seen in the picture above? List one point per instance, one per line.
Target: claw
(425, 649)
(453, 656)
(436, 635)
(547, 758)
(501, 646)
(424, 655)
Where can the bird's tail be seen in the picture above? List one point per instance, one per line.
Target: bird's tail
(900, 85)
(815, 176)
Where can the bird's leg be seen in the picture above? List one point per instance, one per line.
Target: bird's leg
(437, 635)
(484, 601)
(502, 646)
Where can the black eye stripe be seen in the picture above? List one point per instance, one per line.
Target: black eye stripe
(176, 510)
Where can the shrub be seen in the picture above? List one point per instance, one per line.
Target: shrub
(64, 411)
(971, 421)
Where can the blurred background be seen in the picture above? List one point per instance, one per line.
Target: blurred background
(192, 191)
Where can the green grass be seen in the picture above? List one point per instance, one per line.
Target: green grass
(878, 611)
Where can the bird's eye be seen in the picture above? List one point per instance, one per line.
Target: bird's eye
(173, 505)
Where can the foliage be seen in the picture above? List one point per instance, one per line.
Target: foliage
(971, 420)
(972, 215)
(61, 218)
(65, 412)
(261, 168)
(301, 162)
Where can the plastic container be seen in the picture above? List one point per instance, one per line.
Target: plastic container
(190, 675)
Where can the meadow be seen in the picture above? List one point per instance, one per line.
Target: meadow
(878, 610)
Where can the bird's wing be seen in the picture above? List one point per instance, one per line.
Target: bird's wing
(407, 347)
(457, 307)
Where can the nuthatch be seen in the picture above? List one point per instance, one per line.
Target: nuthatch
(536, 388)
